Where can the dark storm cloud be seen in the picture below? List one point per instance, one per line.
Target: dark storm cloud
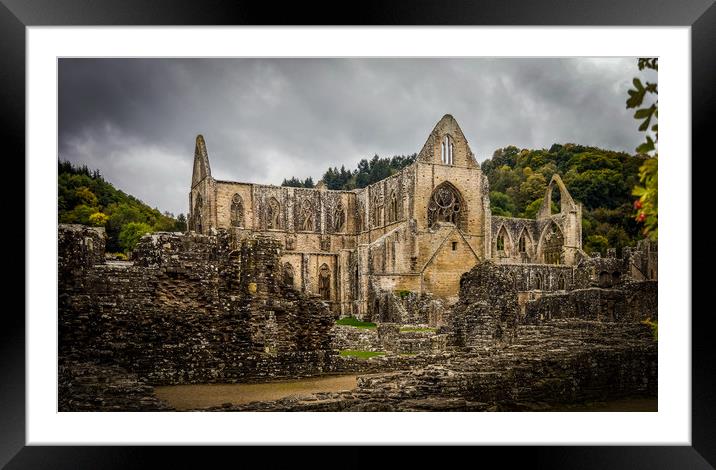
(267, 119)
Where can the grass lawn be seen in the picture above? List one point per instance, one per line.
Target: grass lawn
(361, 354)
(352, 321)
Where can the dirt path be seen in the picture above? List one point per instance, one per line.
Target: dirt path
(183, 397)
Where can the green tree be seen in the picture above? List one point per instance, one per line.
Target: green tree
(501, 204)
(86, 196)
(596, 244)
(532, 188)
(180, 225)
(646, 206)
(131, 233)
(98, 219)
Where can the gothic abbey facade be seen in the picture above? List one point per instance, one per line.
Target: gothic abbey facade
(418, 230)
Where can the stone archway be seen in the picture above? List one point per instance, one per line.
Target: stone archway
(446, 204)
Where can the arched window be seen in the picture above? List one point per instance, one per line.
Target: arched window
(561, 282)
(306, 216)
(339, 218)
(552, 243)
(198, 207)
(324, 282)
(446, 206)
(393, 208)
(237, 211)
(539, 281)
(361, 216)
(523, 244)
(616, 277)
(273, 214)
(605, 279)
(288, 275)
(502, 243)
(377, 212)
(447, 148)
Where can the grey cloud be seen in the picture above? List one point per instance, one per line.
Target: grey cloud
(267, 119)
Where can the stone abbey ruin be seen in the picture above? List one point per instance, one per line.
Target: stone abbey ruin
(472, 311)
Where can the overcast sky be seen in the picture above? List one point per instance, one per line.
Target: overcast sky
(268, 119)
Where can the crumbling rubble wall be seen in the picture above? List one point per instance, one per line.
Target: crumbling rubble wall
(188, 310)
(487, 310)
(631, 302)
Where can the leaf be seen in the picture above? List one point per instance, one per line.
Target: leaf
(638, 191)
(646, 147)
(636, 98)
(645, 125)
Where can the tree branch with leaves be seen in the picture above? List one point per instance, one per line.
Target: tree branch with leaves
(641, 97)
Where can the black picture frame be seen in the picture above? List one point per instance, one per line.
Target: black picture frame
(15, 15)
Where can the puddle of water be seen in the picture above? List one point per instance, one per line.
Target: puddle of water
(183, 397)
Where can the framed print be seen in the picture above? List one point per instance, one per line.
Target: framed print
(234, 213)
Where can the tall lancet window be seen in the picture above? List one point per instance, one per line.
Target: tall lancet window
(447, 148)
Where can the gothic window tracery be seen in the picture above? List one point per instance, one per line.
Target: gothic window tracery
(273, 215)
(377, 212)
(561, 282)
(393, 208)
(324, 282)
(447, 148)
(552, 245)
(339, 218)
(445, 205)
(306, 216)
(361, 216)
(237, 211)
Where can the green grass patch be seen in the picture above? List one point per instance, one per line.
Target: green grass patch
(360, 354)
(352, 321)
(403, 293)
(411, 329)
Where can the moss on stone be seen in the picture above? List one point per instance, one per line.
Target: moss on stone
(352, 321)
(360, 354)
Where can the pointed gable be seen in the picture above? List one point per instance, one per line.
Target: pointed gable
(201, 162)
(447, 145)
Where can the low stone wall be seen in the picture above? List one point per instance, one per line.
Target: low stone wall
(407, 308)
(388, 337)
(91, 387)
(633, 301)
(559, 362)
(361, 339)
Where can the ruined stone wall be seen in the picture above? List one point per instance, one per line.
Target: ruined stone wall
(487, 310)
(556, 363)
(632, 302)
(406, 307)
(540, 277)
(192, 310)
(512, 229)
